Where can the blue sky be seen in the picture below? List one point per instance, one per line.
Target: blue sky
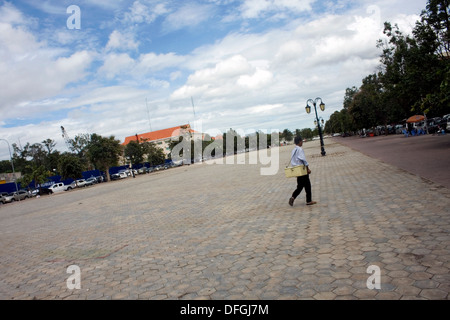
(136, 65)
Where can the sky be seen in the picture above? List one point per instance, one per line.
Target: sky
(132, 66)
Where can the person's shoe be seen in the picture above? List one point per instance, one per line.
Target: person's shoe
(291, 202)
(311, 203)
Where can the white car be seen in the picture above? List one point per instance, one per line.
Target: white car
(58, 187)
(122, 174)
(90, 181)
(8, 198)
(79, 183)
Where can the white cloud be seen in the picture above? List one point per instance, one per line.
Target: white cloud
(282, 67)
(121, 41)
(156, 62)
(242, 80)
(116, 64)
(188, 15)
(29, 70)
(142, 13)
(10, 15)
(252, 9)
(175, 75)
(121, 67)
(220, 80)
(258, 80)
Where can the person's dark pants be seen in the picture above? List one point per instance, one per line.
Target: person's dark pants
(303, 182)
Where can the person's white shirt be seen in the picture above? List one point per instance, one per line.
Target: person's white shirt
(298, 157)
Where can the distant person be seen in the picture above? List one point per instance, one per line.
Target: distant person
(298, 158)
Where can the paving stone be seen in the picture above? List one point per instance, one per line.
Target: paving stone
(426, 284)
(434, 294)
(226, 232)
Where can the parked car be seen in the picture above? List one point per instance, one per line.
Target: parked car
(77, 184)
(143, 170)
(122, 174)
(399, 129)
(161, 167)
(15, 196)
(3, 194)
(21, 195)
(81, 183)
(177, 163)
(91, 181)
(43, 191)
(8, 198)
(59, 187)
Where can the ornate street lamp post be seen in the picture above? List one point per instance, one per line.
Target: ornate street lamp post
(12, 164)
(322, 107)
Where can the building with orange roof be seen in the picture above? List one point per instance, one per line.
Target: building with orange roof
(162, 138)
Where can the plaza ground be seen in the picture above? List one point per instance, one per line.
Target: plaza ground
(226, 232)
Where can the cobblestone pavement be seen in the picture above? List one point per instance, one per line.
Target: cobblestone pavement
(226, 232)
(425, 155)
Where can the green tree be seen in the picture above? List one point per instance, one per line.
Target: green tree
(38, 174)
(5, 166)
(349, 95)
(49, 144)
(415, 67)
(435, 23)
(333, 125)
(307, 133)
(70, 166)
(135, 152)
(154, 154)
(51, 157)
(368, 108)
(39, 154)
(80, 144)
(104, 152)
(51, 161)
(287, 135)
(432, 35)
(20, 157)
(232, 142)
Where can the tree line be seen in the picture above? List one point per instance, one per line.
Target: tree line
(413, 76)
(39, 161)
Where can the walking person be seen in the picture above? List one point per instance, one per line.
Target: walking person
(298, 158)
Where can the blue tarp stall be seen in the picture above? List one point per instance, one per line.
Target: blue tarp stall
(137, 166)
(50, 182)
(92, 174)
(11, 186)
(114, 170)
(141, 165)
